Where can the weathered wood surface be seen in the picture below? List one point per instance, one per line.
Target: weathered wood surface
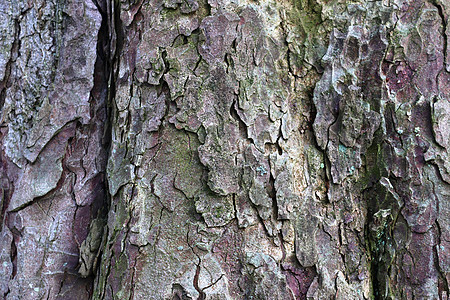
(188, 149)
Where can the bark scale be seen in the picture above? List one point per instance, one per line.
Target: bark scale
(183, 149)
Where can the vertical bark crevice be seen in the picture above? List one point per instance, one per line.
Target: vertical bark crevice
(444, 21)
(4, 83)
(101, 111)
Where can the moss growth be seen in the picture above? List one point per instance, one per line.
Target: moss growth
(308, 26)
(218, 211)
(374, 164)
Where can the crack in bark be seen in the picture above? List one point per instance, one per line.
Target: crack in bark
(242, 126)
(101, 99)
(202, 295)
(444, 31)
(13, 55)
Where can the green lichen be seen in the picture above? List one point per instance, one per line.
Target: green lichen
(308, 26)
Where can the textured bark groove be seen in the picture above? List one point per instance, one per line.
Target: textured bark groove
(53, 93)
(216, 149)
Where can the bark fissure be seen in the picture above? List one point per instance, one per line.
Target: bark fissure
(230, 150)
(444, 32)
(15, 48)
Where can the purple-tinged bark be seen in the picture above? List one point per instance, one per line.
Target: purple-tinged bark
(194, 149)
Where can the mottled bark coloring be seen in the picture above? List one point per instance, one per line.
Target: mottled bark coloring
(219, 149)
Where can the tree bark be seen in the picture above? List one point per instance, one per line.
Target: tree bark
(219, 149)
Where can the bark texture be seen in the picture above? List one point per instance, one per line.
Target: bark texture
(224, 149)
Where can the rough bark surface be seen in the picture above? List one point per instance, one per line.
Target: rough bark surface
(224, 149)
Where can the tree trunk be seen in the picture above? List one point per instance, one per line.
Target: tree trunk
(193, 149)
